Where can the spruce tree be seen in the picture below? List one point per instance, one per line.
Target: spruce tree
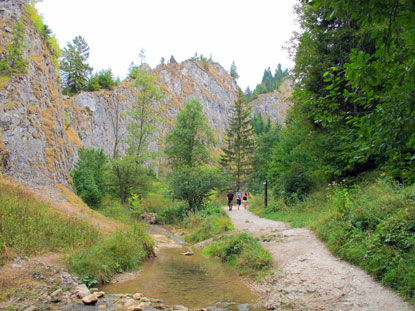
(239, 142)
(75, 70)
(233, 71)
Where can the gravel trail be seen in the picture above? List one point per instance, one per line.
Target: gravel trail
(309, 277)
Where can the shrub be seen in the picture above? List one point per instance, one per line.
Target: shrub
(89, 176)
(124, 250)
(102, 80)
(207, 223)
(242, 250)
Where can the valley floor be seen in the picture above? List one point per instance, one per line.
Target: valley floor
(309, 277)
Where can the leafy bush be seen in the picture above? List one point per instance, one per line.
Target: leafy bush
(194, 185)
(89, 176)
(102, 80)
(242, 250)
(297, 183)
(14, 61)
(173, 214)
(124, 250)
(29, 226)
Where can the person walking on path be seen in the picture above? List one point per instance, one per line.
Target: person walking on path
(245, 199)
(238, 198)
(229, 196)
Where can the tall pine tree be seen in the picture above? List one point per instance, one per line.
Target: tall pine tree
(75, 70)
(239, 142)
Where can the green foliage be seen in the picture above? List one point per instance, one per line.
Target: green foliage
(89, 176)
(269, 82)
(267, 137)
(44, 31)
(130, 174)
(370, 224)
(233, 71)
(143, 114)
(129, 177)
(75, 70)
(194, 184)
(124, 250)
(354, 69)
(205, 62)
(207, 223)
(14, 61)
(29, 226)
(190, 141)
(243, 251)
(239, 144)
(102, 80)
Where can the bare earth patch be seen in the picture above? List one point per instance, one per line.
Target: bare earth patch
(309, 277)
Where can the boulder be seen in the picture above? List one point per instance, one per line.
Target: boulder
(90, 299)
(149, 218)
(82, 291)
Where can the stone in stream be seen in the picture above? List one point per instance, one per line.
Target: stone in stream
(99, 294)
(188, 254)
(137, 296)
(180, 308)
(90, 299)
(82, 291)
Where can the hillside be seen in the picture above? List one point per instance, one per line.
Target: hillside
(274, 105)
(42, 130)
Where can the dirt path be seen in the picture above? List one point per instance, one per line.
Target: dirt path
(309, 277)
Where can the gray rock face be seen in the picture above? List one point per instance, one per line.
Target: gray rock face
(31, 111)
(274, 105)
(95, 115)
(40, 131)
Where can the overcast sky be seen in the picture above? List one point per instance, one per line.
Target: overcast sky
(250, 32)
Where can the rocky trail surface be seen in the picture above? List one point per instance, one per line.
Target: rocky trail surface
(309, 277)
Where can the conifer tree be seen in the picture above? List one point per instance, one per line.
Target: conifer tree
(74, 67)
(233, 71)
(239, 142)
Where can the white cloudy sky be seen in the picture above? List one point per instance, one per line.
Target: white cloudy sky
(250, 32)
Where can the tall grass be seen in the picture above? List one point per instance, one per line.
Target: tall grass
(124, 250)
(243, 251)
(370, 223)
(29, 226)
(206, 224)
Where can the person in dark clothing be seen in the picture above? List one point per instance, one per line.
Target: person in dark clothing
(229, 196)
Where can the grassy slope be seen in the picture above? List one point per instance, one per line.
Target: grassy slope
(29, 226)
(370, 224)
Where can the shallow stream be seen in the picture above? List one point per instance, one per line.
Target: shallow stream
(193, 281)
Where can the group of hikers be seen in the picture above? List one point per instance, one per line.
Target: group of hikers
(239, 198)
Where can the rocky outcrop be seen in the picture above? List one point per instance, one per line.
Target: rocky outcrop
(274, 105)
(40, 131)
(32, 122)
(99, 117)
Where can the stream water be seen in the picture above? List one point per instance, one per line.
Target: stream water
(194, 281)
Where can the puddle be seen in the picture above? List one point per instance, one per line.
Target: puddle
(194, 281)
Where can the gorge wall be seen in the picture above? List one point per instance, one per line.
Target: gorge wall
(41, 130)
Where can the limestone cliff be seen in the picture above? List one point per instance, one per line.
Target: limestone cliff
(274, 105)
(41, 131)
(36, 146)
(100, 122)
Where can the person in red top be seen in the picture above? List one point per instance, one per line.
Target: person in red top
(245, 199)
(229, 197)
